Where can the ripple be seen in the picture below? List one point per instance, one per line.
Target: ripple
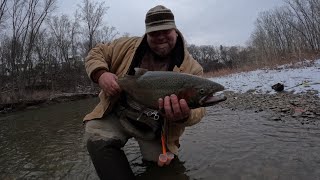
(48, 143)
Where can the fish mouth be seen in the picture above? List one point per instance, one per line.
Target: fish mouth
(212, 99)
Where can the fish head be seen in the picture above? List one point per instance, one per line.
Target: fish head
(203, 94)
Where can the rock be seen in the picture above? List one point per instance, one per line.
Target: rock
(285, 110)
(278, 87)
(286, 106)
(296, 114)
(276, 118)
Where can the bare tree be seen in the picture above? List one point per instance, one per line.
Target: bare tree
(91, 14)
(210, 57)
(106, 34)
(194, 51)
(27, 18)
(3, 10)
(74, 37)
(287, 31)
(61, 30)
(126, 34)
(307, 20)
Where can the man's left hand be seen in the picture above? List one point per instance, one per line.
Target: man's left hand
(174, 109)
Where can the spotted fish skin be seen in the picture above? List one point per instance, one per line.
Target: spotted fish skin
(146, 87)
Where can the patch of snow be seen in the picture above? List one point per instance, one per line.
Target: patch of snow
(298, 80)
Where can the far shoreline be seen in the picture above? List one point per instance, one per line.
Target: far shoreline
(37, 103)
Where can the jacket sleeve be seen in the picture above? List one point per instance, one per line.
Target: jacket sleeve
(99, 58)
(196, 114)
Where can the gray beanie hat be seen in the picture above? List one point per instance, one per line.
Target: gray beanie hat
(159, 18)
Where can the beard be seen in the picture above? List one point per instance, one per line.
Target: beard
(162, 50)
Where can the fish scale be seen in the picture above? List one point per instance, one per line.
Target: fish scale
(146, 87)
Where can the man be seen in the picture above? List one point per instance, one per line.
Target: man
(162, 48)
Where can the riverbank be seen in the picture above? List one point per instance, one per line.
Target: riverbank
(36, 103)
(304, 107)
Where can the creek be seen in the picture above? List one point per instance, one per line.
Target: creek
(47, 143)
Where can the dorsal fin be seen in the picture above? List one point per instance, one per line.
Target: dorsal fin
(140, 71)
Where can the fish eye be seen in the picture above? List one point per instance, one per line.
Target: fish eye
(201, 91)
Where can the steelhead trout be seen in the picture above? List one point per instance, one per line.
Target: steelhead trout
(146, 87)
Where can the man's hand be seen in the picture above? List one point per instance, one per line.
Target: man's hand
(174, 109)
(108, 83)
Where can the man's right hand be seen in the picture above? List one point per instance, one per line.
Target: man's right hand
(108, 83)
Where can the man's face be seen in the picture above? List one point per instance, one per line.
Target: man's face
(162, 42)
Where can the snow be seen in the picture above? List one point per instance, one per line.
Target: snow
(298, 78)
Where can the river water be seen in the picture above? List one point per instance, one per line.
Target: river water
(47, 143)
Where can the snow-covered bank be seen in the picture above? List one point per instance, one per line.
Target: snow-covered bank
(298, 80)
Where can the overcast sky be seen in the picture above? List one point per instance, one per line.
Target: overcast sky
(202, 22)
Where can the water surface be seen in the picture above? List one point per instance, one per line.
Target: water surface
(47, 143)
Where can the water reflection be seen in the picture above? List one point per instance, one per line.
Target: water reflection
(45, 143)
(48, 143)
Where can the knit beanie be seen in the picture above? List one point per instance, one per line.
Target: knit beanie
(159, 18)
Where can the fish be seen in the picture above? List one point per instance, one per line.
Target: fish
(146, 87)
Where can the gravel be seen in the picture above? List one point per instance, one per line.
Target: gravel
(283, 106)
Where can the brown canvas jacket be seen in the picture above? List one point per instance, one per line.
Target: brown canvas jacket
(116, 57)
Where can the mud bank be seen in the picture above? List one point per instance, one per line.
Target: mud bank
(304, 107)
(31, 104)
